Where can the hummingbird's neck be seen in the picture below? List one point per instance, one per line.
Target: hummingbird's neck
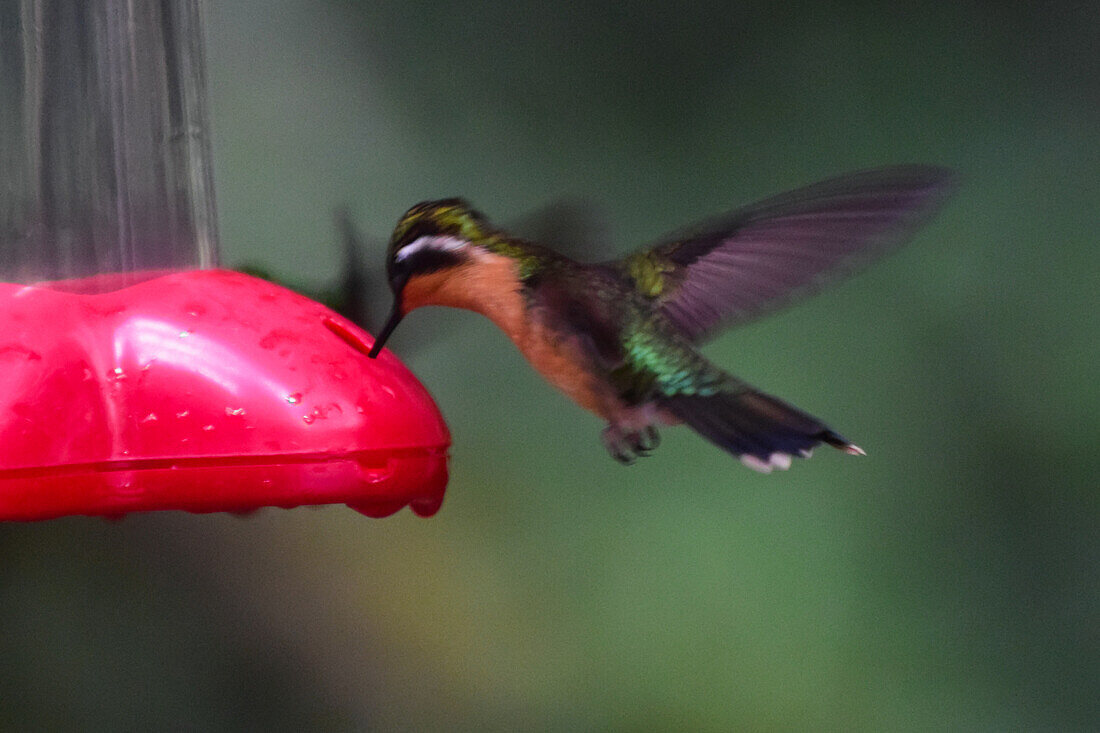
(489, 284)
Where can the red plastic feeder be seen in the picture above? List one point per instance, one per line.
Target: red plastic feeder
(205, 391)
(130, 378)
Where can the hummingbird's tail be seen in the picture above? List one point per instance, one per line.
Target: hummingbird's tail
(763, 431)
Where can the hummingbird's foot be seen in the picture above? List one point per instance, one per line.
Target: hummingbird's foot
(645, 440)
(626, 446)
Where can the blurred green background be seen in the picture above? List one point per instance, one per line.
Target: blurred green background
(946, 582)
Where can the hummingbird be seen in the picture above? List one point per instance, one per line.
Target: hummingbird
(621, 338)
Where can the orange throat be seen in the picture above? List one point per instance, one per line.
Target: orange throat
(490, 285)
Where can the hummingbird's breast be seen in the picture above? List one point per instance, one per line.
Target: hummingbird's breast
(562, 361)
(491, 285)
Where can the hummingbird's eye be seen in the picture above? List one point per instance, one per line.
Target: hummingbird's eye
(430, 243)
(425, 255)
(397, 272)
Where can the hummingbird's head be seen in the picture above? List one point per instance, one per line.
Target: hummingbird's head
(432, 239)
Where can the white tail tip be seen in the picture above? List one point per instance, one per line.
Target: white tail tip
(756, 464)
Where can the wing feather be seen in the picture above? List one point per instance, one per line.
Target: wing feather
(764, 256)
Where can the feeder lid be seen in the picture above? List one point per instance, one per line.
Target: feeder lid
(204, 390)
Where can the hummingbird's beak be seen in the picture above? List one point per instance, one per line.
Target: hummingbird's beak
(395, 317)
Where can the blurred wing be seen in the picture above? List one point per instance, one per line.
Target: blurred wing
(572, 227)
(360, 294)
(357, 294)
(771, 253)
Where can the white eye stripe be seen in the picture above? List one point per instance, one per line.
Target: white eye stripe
(438, 243)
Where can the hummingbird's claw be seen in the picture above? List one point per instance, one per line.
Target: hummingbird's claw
(625, 457)
(618, 445)
(645, 441)
(625, 447)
